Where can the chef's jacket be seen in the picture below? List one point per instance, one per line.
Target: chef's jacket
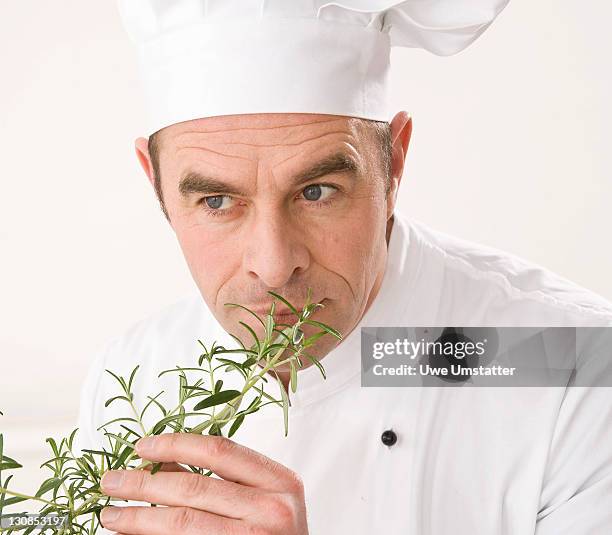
(456, 461)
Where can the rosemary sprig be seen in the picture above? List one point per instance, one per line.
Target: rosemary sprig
(74, 486)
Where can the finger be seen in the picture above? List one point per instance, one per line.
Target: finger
(186, 489)
(223, 456)
(168, 467)
(137, 520)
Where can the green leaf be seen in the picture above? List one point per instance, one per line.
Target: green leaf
(239, 341)
(293, 376)
(6, 463)
(120, 380)
(52, 462)
(83, 463)
(326, 328)
(198, 391)
(179, 369)
(198, 388)
(13, 500)
(256, 399)
(182, 385)
(289, 305)
(122, 419)
(316, 362)
(2, 494)
(215, 430)
(248, 310)
(271, 348)
(156, 467)
(100, 452)
(54, 447)
(9, 464)
(71, 439)
(217, 399)
(269, 326)
(168, 420)
(181, 420)
(236, 424)
(119, 439)
(312, 339)
(297, 336)
(224, 351)
(309, 309)
(218, 386)
(285, 398)
(130, 432)
(157, 403)
(122, 457)
(249, 362)
(161, 424)
(268, 396)
(50, 484)
(251, 411)
(229, 362)
(201, 427)
(132, 377)
(284, 334)
(253, 334)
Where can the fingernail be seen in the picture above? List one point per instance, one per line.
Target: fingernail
(112, 479)
(110, 515)
(145, 445)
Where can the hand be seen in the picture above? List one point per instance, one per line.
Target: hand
(256, 495)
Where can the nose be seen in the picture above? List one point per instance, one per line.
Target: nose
(275, 251)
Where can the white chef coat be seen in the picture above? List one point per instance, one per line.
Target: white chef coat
(467, 461)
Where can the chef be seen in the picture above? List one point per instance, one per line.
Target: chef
(277, 165)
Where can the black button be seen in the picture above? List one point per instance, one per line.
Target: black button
(388, 437)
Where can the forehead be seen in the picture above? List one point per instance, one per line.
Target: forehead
(262, 131)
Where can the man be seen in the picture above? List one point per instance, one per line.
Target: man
(277, 173)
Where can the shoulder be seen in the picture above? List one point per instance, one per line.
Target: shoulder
(185, 314)
(167, 335)
(497, 286)
(159, 341)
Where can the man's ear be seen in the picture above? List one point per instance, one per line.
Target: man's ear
(142, 152)
(401, 131)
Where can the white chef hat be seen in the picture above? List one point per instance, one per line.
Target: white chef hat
(203, 58)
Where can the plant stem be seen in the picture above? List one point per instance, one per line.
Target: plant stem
(26, 496)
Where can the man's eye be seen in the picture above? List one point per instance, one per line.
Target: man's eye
(314, 193)
(214, 202)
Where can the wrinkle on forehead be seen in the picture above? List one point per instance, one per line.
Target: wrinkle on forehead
(246, 144)
(284, 144)
(265, 121)
(246, 135)
(253, 128)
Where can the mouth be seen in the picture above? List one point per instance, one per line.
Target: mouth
(280, 312)
(285, 318)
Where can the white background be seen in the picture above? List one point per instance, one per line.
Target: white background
(511, 148)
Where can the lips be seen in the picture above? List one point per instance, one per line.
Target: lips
(277, 311)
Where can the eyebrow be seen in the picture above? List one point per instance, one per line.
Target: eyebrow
(194, 182)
